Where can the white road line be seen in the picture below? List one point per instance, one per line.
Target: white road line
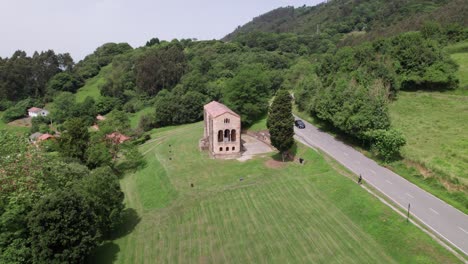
(463, 230)
(388, 181)
(434, 211)
(372, 171)
(410, 196)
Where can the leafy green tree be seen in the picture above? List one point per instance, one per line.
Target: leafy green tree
(64, 107)
(103, 190)
(146, 122)
(98, 154)
(160, 68)
(64, 228)
(116, 121)
(121, 77)
(108, 51)
(64, 81)
(18, 111)
(152, 42)
(132, 159)
(22, 183)
(248, 92)
(165, 105)
(62, 175)
(191, 107)
(37, 123)
(102, 56)
(73, 142)
(86, 110)
(280, 122)
(386, 143)
(105, 104)
(423, 63)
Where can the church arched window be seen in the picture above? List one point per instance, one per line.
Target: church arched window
(227, 135)
(233, 135)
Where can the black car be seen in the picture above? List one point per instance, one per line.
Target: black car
(299, 124)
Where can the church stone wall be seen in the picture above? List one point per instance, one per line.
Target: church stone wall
(229, 146)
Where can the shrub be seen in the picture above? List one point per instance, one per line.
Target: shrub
(5, 104)
(147, 122)
(105, 104)
(17, 111)
(37, 124)
(386, 143)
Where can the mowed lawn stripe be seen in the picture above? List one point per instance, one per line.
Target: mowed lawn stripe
(293, 214)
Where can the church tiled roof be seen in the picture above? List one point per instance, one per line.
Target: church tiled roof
(216, 109)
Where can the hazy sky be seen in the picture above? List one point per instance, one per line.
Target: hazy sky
(80, 26)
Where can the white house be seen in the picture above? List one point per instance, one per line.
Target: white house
(35, 112)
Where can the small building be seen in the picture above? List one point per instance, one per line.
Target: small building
(36, 111)
(117, 138)
(33, 137)
(38, 137)
(100, 118)
(222, 128)
(45, 137)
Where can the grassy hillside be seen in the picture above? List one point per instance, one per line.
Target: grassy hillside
(284, 213)
(135, 117)
(462, 60)
(91, 87)
(18, 129)
(439, 140)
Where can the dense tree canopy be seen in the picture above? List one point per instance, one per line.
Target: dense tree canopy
(160, 68)
(248, 92)
(64, 228)
(102, 189)
(22, 76)
(52, 211)
(74, 140)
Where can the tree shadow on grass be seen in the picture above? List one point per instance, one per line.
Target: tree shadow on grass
(130, 220)
(104, 254)
(108, 250)
(132, 166)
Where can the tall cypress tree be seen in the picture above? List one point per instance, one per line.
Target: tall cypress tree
(280, 122)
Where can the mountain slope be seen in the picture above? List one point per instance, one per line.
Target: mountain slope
(345, 16)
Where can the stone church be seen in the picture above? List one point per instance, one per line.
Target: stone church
(222, 131)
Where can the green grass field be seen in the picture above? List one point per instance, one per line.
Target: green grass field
(462, 60)
(91, 87)
(435, 126)
(459, 54)
(289, 214)
(135, 117)
(259, 125)
(17, 129)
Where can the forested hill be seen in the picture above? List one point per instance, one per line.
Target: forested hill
(340, 17)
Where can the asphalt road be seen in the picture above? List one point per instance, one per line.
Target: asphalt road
(443, 219)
